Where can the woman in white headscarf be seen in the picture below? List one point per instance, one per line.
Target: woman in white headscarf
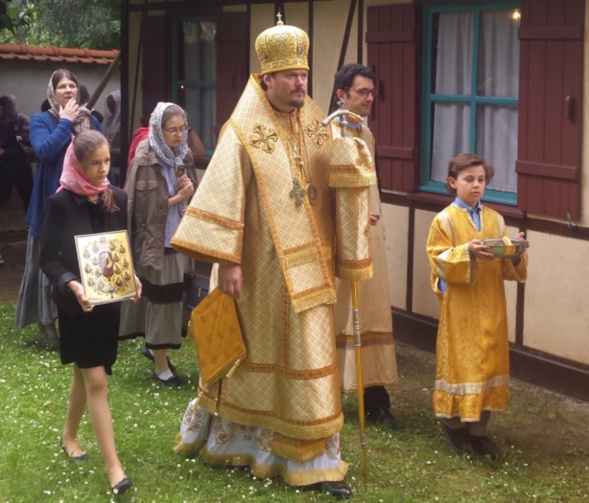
(160, 182)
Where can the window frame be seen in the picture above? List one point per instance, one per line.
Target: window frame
(197, 84)
(429, 98)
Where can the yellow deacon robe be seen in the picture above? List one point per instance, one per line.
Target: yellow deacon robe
(472, 351)
(245, 212)
(379, 363)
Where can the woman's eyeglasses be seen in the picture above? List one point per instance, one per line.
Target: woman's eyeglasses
(176, 130)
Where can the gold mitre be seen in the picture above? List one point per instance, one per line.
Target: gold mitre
(282, 47)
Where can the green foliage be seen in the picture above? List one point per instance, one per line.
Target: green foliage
(547, 457)
(15, 16)
(93, 24)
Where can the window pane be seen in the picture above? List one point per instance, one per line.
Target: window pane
(190, 105)
(451, 133)
(196, 69)
(190, 51)
(207, 117)
(207, 51)
(453, 54)
(497, 143)
(498, 54)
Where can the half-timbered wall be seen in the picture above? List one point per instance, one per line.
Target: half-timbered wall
(547, 320)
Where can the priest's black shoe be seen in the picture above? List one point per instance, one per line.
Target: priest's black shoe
(339, 490)
(384, 417)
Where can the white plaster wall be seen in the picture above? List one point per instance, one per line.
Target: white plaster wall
(511, 295)
(328, 37)
(425, 301)
(396, 225)
(556, 315)
(28, 80)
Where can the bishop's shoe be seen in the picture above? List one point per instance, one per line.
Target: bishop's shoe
(339, 490)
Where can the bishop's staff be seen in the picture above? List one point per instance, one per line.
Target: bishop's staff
(351, 173)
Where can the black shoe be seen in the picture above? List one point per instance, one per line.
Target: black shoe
(459, 439)
(122, 486)
(173, 382)
(339, 490)
(81, 457)
(384, 417)
(484, 446)
(149, 355)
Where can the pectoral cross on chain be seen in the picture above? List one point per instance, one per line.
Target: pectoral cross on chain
(297, 191)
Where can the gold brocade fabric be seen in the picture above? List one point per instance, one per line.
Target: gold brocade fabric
(282, 47)
(379, 364)
(243, 213)
(351, 175)
(472, 354)
(303, 234)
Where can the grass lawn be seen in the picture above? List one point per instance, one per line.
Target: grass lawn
(545, 437)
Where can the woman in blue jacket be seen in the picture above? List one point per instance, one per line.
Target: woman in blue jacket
(51, 133)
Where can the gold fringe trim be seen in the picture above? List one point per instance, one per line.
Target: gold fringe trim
(362, 274)
(189, 450)
(310, 430)
(324, 296)
(299, 450)
(350, 180)
(202, 252)
(312, 477)
(300, 257)
(277, 470)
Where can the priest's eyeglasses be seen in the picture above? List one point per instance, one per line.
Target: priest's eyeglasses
(176, 130)
(365, 92)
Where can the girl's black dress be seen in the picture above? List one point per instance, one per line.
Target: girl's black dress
(88, 339)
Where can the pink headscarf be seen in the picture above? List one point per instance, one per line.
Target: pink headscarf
(74, 179)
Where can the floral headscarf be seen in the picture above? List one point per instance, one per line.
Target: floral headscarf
(73, 177)
(82, 123)
(173, 157)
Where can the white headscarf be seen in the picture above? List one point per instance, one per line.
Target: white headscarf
(173, 157)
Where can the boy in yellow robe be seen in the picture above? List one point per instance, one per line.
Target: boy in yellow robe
(472, 353)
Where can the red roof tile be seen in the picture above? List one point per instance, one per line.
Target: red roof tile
(29, 52)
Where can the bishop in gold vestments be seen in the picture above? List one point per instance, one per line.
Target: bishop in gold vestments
(264, 203)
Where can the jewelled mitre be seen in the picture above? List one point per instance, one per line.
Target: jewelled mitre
(282, 47)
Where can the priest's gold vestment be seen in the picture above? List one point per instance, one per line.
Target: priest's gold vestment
(245, 212)
(379, 364)
(472, 351)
